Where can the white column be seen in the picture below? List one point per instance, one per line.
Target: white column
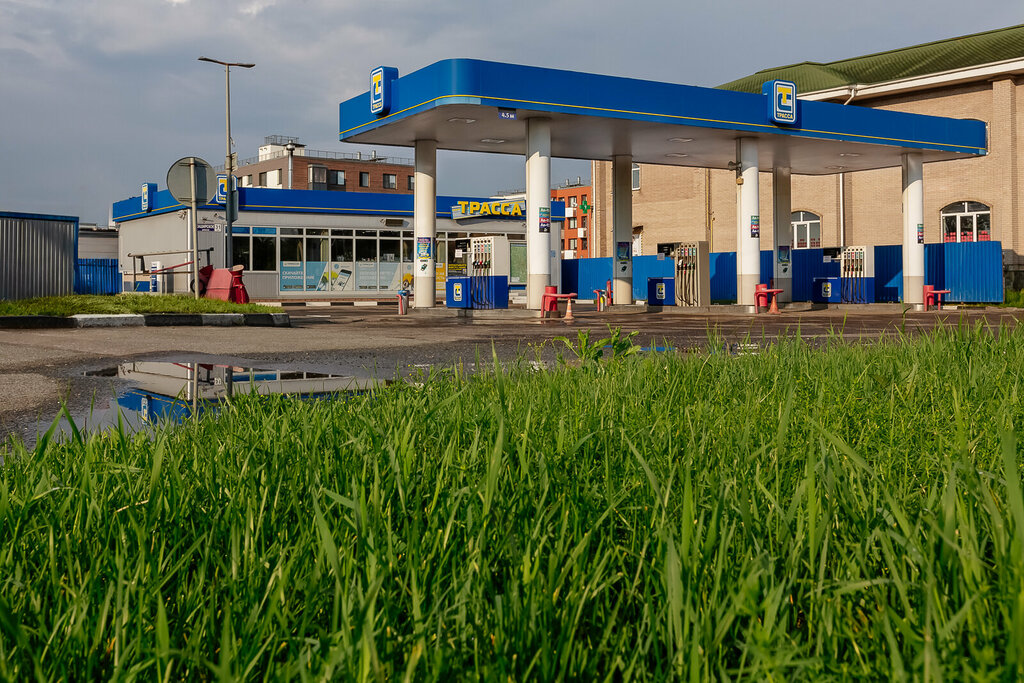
(622, 228)
(913, 226)
(425, 224)
(748, 240)
(538, 200)
(783, 232)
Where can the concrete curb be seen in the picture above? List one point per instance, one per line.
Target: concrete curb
(40, 322)
(120, 320)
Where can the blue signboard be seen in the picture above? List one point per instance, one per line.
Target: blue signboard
(781, 101)
(148, 195)
(380, 89)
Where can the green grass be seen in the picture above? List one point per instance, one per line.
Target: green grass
(853, 513)
(1013, 298)
(125, 303)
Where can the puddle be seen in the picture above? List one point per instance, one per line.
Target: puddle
(147, 392)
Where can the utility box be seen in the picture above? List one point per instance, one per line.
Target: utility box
(826, 290)
(661, 291)
(693, 274)
(457, 293)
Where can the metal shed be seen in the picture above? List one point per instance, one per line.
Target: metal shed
(37, 254)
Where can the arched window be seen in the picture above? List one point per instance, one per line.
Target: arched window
(806, 230)
(966, 222)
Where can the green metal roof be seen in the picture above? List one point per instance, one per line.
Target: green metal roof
(942, 55)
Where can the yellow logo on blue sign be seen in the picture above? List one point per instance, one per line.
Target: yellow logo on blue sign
(380, 89)
(782, 106)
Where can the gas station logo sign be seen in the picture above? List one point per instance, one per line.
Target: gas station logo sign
(781, 101)
(468, 209)
(380, 89)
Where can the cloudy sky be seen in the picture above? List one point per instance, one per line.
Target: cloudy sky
(98, 96)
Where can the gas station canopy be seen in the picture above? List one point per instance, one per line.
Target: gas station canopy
(473, 105)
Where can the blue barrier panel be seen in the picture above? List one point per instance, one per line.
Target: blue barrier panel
(971, 271)
(97, 276)
(889, 273)
(647, 267)
(809, 265)
(570, 275)
(722, 265)
(767, 267)
(593, 273)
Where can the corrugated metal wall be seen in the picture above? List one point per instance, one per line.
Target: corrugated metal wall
(972, 271)
(37, 255)
(649, 266)
(97, 276)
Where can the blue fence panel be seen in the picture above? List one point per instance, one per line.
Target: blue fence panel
(722, 265)
(649, 266)
(585, 275)
(767, 267)
(97, 276)
(570, 275)
(889, 272)
(809, 264)
(972, 271)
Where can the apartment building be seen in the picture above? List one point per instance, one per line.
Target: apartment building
(285, 163)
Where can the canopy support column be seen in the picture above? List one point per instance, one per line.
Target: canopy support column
(913, 229)
(622, 229)
(538, 210)
(748, 223)
(783, 232)
(425, 224)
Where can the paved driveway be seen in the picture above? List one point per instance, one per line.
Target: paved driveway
(41, 368)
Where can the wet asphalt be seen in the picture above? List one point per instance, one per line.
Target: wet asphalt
(40, 370)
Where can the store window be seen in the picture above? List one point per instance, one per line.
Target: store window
(966, 222)
(636, 176)
(806, 230)
(364, 179)
(390, 181)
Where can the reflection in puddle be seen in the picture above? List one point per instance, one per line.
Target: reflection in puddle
(161, 391)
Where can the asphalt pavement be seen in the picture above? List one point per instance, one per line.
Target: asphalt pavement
(42, 368)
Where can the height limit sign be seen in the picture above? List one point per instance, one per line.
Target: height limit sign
(544, 222)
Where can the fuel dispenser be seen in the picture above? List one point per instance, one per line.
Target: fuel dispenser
(857, 275)
(693, 274)
(489, 268)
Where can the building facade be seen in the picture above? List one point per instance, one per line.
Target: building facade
(283, 163)
(980, 76)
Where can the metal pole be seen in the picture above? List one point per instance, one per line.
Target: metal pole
(194, 229)
(228, 260)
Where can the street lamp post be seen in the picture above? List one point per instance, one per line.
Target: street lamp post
(228, 163)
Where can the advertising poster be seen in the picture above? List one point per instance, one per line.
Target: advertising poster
(423, 249)
(544, 224)
(755, 226)
(783, 253)
(390, 278)
(341, 273)
(920, 233)
(366, 276)
(292, 276)
(622, 251)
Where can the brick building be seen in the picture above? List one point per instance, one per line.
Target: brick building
(318, 170)
(980, 76)
(578, 200)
